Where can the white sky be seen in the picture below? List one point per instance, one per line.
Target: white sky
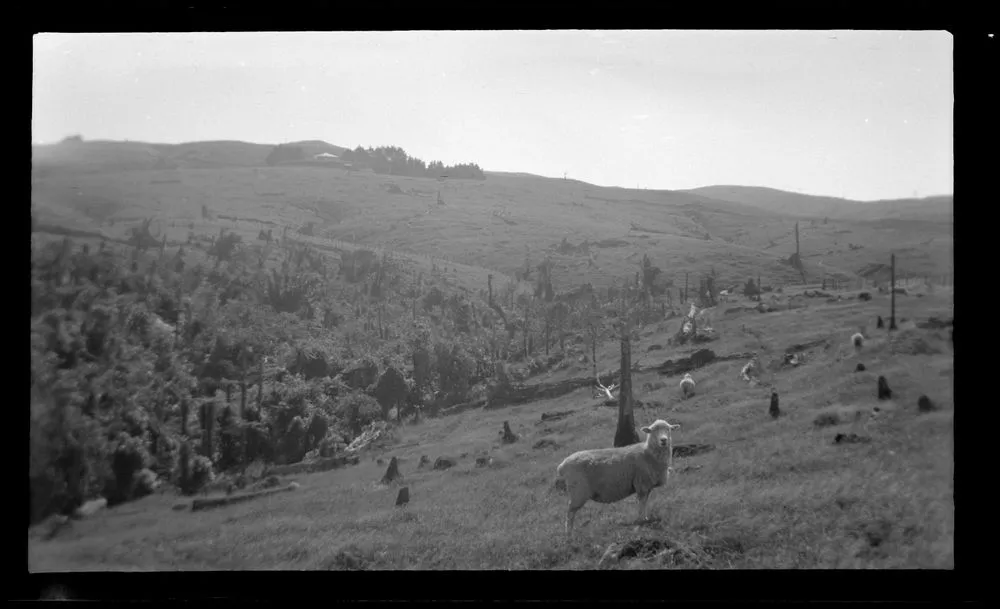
(864, 115)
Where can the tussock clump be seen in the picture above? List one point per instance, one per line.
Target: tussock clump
(690, 450)
(545, 443)
(351, 558)
(444, 463)
(663, 553)
(826, 419)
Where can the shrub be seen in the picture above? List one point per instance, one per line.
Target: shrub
(127, 460)
(294, 441)
(316, 430)
(201, 472)
(230, 440)
(358, 410)
(258, 439)
(391, 390)
(144, 482)
(454, 371)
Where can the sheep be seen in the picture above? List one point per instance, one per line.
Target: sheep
(751, 371)
(608, 475)
(858, 340)
(687, 385)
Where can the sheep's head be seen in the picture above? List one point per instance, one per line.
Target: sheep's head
(658, 433)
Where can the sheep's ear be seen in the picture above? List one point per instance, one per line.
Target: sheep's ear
(645, 430)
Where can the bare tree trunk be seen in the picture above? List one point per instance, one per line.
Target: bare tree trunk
(593, 352)
(547, 330)
(892, 293)
(525, 332)
(260, 385)
(625, 434)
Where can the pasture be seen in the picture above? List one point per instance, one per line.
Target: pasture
(769, 493)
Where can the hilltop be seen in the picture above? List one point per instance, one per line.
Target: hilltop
(932, 209)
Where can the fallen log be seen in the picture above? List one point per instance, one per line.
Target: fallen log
(211, 502)
(696, 360)
(319, 465)
(807, 345)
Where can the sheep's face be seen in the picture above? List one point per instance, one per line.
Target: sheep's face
(658, 434)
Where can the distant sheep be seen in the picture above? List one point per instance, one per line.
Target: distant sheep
(858, 340)
(608, 475)
(751, 371)
(687, 385)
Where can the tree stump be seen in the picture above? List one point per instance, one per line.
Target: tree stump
(392, 472)
(884, 393)
(403, 497)
(508, 435)
(924, 404)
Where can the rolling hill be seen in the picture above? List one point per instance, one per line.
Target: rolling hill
(840, 478)
(936, 209)
(590, 233)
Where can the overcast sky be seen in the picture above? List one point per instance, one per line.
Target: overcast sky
(863, 115)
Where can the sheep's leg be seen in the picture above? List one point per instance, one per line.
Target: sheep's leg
(570, 516)
(643, 498)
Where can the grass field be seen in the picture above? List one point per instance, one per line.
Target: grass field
(493, 224)
(770, 494)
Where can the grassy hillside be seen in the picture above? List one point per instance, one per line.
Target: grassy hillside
(217, 355)
(936, 209)
(769, 494)
(495, 223)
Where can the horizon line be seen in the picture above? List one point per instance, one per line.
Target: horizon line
(242, 141)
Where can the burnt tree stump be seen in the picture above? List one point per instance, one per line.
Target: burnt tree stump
(508, 435)
(884, 393)
(392, 472)
(403, 497)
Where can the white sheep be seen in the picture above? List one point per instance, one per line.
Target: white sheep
(858, 340)
(687, 385)
(608, 475)
(751, 371)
